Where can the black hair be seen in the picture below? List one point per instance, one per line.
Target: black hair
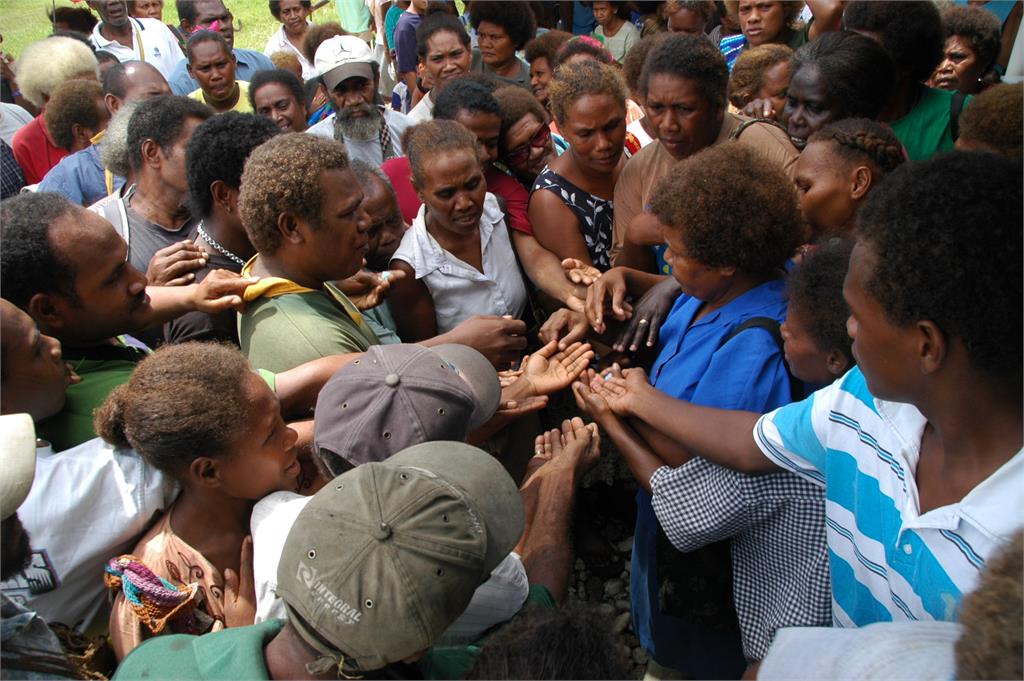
(815, 287)
(218, 150)
(582, 44)
(571, 641)
(911, 32)
(691, 57)
(980, 27)
(857, 72)
(77, 18)
(162, 120)
(438, 22)
(464, 93)
(512, 15)
(275, 7)
(115, 82)
(281, 77)
(28, 262)
(204, 36)
(186, 10)
(953, 257)
(102, 57)
(76, 35)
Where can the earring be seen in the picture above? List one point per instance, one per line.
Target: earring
(228, 208)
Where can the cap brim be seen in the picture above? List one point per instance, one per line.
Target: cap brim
(341, 73)
(485, 482)
(481, 376)
(18, 461)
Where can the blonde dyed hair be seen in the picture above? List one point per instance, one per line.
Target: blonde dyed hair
(573, 81)
(46, 64)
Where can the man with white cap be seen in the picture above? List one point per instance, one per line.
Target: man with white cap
(370, 132)
(29, 648)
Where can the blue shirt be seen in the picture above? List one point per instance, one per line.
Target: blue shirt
(249, 62)
(746, 373)
(80, 177)
(889, 561)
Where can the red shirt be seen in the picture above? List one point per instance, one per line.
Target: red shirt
(34, 151)
(498, 183)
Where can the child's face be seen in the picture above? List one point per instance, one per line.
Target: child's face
(823, 191)
(35, 378)
(805, 360)
(263, 458)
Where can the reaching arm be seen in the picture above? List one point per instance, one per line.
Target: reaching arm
(221, 290)
(412, 306)
(544, 269)
(298, 388)
(556, 228)
(719, 435)
(828, 16)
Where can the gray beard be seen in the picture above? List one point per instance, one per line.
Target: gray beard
(360, 129)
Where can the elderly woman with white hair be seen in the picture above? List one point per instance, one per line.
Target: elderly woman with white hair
(42, 67)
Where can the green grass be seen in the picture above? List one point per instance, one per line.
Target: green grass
(24, 21)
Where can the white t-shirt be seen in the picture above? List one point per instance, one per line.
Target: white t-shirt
(88, 504)
(423, 111)
(459, 290)
(493, 602)
(12, 119)
(279, 42)
(152, 42)
(369, 150)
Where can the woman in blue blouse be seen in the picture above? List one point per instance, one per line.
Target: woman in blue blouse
(730, 222)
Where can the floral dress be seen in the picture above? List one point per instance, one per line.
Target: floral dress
(594, 214)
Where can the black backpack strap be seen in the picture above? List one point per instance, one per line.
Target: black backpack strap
(773, 327)
(747, 122)
(956, 106)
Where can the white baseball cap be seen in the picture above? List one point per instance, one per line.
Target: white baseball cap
(343, 57)
(17, 461)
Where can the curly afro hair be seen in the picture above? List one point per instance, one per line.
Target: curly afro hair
(731, 207)
(748, 71)
(282, 176)
(161, 119)
(703, 8)
(691, 57)
(275, 7)
(76, 102)
(546, 46)
(217, 151)
(514, 16)
(183, 401)
(990, 645)
(634, 62)
(585, 45)
(815, 288)
(438, 22)
(994, 121)
(980, 27)
(573, 81)
(316, 34)
(431, 139)
(515, 102)
(860, 140)
(465, 93)
(856, 71)
(943, 231)
(45, 64)
(911, 32)
(28, 262)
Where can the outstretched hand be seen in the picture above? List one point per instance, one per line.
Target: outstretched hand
(368, 289)
(610, 287)
(579, 272)
(549, 369)
(576, 446)
(564, 326)
(221, 290)
(621, 390)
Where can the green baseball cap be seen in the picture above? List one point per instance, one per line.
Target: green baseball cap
(387, 555)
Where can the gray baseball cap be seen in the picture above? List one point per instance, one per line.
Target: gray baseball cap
(386, 556)
(395, 396)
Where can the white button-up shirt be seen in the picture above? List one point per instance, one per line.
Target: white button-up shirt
(459, 290)
(279, 42)
(152, 42)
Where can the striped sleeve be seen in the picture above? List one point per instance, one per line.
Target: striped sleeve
(787, 437)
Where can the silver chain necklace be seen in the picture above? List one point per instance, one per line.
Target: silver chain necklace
(216, 246)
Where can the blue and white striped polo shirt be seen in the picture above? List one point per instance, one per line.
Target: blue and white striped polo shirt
(888, 562)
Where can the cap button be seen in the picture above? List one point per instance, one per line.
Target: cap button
(382, 532)
(392, 380)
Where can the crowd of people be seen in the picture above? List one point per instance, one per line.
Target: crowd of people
(308, 354)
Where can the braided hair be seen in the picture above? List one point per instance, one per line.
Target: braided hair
(862, 139)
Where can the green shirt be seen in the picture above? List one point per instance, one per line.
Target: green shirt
(235, 653)
(454, 662)
(280, 332)
(102, 369)
(926, 129)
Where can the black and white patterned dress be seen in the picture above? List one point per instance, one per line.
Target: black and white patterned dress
(594, 214)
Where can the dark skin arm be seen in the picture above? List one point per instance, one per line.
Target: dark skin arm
(412, 306)
(828, 16)
(556, 228)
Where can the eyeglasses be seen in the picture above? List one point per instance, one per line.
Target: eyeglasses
(522, 152)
